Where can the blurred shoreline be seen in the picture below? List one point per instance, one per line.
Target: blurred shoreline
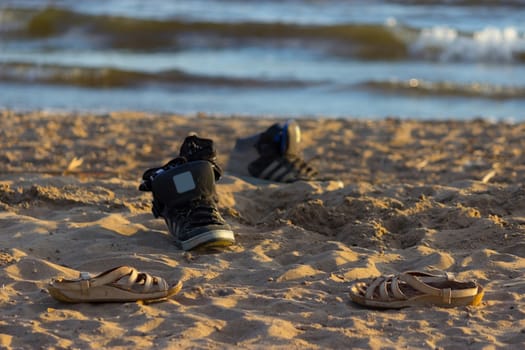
(283, 61)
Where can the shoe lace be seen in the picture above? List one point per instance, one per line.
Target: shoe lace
(196, 148)
(202, 213)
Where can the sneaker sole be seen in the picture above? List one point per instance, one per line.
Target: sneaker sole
(215, 238)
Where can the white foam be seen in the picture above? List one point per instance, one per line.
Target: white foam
(487, 45)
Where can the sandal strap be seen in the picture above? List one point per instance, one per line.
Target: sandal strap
(394, 287)
(132, 278)
(382, 283)
(372, 287)
(117, 274)
(420, 284)
(111, 276)
(85, 281)
(147, 281)
(383, 290)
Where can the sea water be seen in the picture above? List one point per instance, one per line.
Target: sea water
(434, 59)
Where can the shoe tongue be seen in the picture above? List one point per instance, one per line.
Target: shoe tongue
(282, 140)
(269, 143)
(196, 148)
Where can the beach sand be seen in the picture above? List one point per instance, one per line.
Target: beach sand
(404, 195)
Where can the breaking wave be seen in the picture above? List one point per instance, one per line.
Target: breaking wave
(487, 45)
(362, 41)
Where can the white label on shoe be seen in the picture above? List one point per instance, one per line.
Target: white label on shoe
(184, 182)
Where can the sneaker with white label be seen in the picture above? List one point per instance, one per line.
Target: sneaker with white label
(184, 195)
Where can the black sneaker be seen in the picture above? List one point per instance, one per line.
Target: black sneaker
(273, 155)
(184, 195)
